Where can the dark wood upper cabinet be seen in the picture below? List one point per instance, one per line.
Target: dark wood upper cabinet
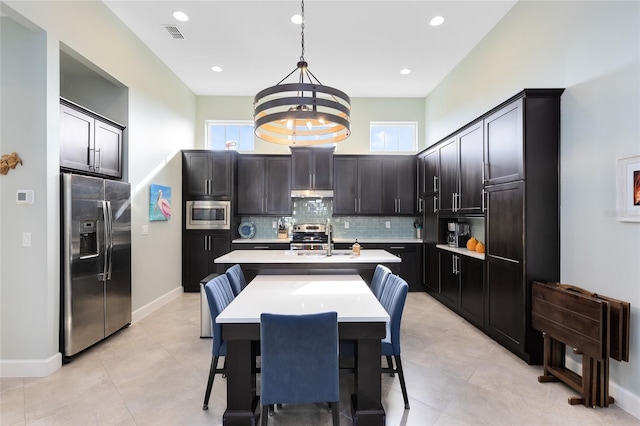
(89, 143)
(448, 176)
(470, 148)
(398, 185)
(358, 185)
(503, 133)
(264, 185)
(209, 173)
(312, 168)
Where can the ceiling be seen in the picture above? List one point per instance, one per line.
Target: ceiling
(357, 46)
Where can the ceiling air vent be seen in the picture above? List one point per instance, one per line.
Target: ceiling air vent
(174, 32)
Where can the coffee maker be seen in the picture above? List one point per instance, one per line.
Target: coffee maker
(457, 234)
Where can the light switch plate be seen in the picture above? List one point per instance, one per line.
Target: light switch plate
(145, 229)
(346, 225)
(26, 239)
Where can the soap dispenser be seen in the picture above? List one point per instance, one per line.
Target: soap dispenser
(355, 248)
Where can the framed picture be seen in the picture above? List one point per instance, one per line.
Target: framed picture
(628, 189)
(159, 202)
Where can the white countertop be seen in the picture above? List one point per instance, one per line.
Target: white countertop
(462, 251)
(319, 256)
(348, 295)
(394, 240)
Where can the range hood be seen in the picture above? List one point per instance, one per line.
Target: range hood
(312, 193)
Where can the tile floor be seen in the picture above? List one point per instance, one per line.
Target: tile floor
(155, 373)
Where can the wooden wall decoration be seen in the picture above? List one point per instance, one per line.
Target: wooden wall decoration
(9, 162)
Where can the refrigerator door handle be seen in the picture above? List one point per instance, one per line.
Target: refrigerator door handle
(110, 246)
(105, 243)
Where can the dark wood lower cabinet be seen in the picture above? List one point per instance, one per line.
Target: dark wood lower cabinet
(449, 281)
(505, 303)
(431, 268)
(472, 285)
(199, 249)
(411, 266)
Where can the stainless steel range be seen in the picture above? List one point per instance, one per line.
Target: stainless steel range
(310, 236)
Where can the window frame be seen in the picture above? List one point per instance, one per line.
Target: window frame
(413, 125)
(227, 123)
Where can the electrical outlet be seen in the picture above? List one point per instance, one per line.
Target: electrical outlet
(274, 224)
(26, 239)
(346, 225)
(145, 230)
(387, 224)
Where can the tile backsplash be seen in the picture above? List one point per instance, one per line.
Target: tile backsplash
(311, 210)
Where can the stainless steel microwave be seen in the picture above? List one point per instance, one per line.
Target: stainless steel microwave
(208, 214)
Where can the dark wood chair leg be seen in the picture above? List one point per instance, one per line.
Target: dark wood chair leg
(390, 366)
(402, 383)
(264, 417)
(212, 373)
(335, 413)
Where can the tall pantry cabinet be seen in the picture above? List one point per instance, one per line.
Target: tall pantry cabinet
(522, 189)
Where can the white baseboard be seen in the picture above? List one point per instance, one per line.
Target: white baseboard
(45, 367)
(153, 306)
(30, 367)
(623, 398)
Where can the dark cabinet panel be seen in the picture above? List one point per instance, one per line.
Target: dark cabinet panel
(278, 185)
(470, 146)
(358, 185)
(431, 268)
(199, 249)
(448, 176)
(398, 185)
(471, 303)
(369, 185)
(505, 221)
(449, 281)
(89, 143)
(503, 132)
(208, 173)
(312, 168)
(411, 267)
(505, 303)
(264, 185)
(345, 194)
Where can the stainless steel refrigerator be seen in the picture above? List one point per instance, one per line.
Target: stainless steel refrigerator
(96, 261)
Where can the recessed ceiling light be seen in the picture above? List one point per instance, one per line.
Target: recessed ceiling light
(180, 16)
(296, 19)
(436, 20)
(405, 71)
(216, 68)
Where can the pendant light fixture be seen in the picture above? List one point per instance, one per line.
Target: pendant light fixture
(302, 113)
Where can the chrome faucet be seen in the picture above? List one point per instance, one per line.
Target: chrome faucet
(328, 234)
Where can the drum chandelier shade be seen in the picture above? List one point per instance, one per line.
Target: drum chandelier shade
(303, 113)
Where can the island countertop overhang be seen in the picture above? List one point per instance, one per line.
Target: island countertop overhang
(290, 257)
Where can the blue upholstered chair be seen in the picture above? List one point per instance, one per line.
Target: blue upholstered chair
(299, 360)
(379, 276)
(219, 295)
(393, 299)
(236, 278)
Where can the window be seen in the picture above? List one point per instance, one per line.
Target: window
(238, 135)
(398, 136)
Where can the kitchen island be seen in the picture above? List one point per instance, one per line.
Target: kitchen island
(280, 262)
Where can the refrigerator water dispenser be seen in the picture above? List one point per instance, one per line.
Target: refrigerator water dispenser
(88, 238)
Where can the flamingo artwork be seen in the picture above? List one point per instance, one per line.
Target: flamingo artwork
(160, 203)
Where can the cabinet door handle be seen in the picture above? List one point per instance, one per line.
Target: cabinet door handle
(453, 265)
(398, 205)
(396, 247)
(310, 180)
(313, 182)
(355, 205)
(435, 184)
(485, 171)
(260, 247)
(483, 194)
(453, 201)
(97, 152)
(435, 204)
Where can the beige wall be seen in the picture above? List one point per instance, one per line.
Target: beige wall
(364, 110)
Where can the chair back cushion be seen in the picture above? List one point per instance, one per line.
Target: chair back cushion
(379, 277)
(236, 278)
(393, 299)
(219, 295)
(299, 358)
